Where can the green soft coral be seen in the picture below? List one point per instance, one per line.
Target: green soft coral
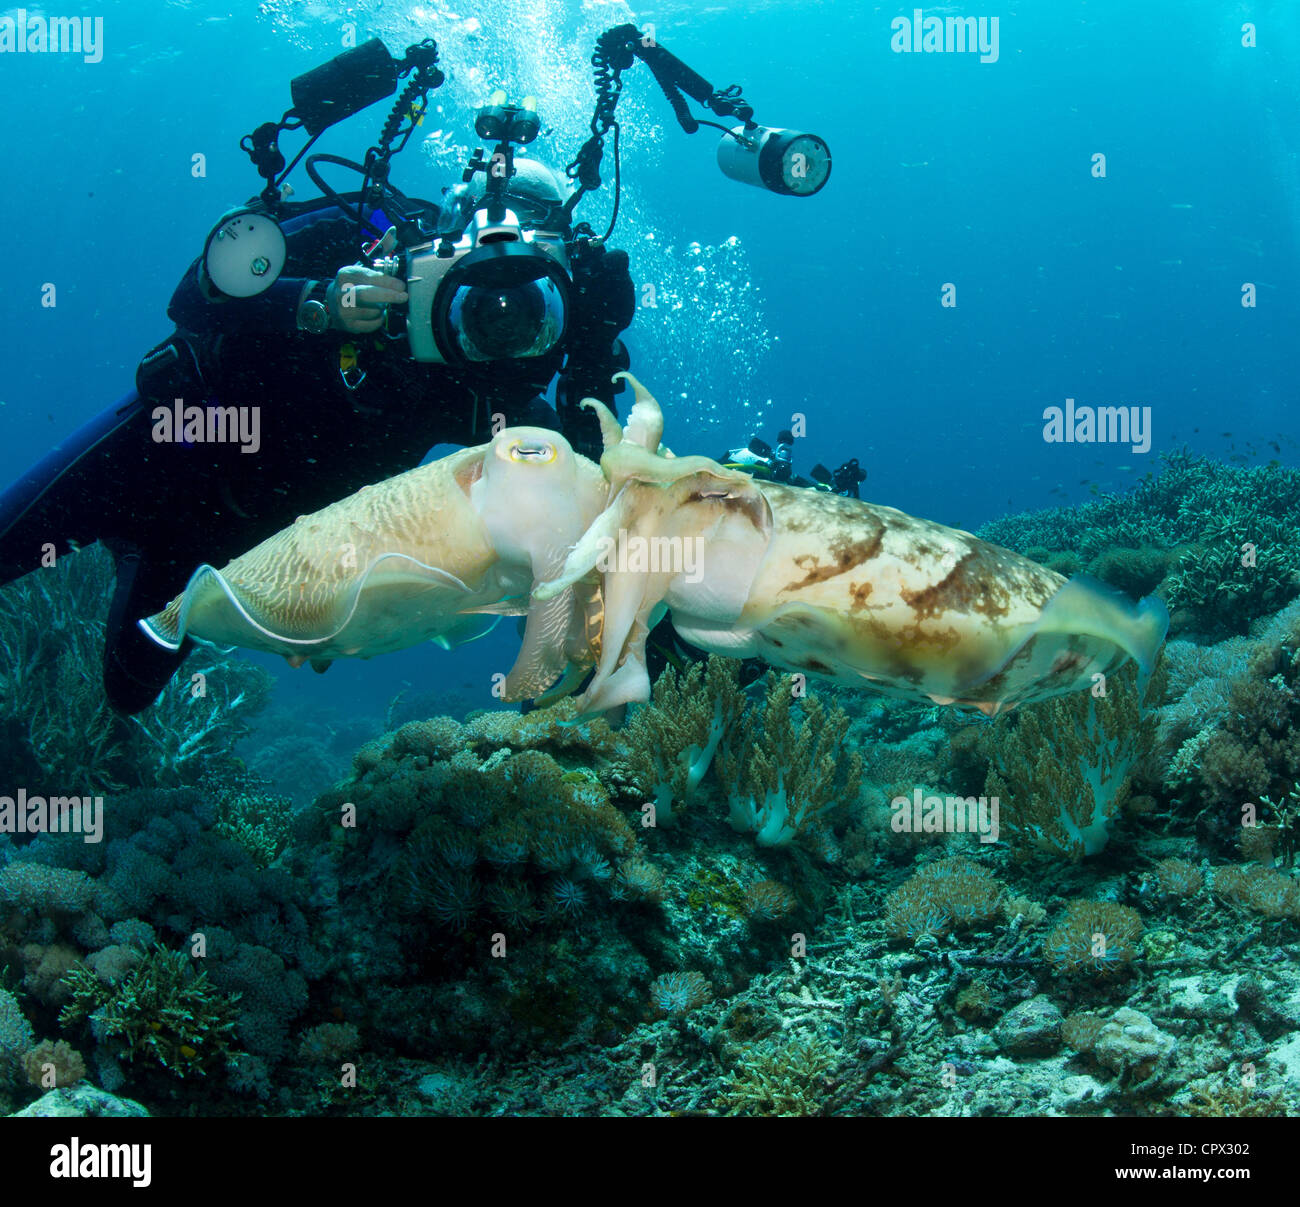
(781, 777)
(1062, 769)
(671, 742)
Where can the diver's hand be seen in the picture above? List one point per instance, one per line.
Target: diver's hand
(357, 296)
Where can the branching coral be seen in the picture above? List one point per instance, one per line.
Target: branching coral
(787, 1077)
(781, 778)
(672, 740)
(162, 1011)
(257, 821)
(198, 719)
(1062, 770)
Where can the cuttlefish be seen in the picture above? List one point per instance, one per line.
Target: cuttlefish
(594, 556)
(436, 553)
(832, 587)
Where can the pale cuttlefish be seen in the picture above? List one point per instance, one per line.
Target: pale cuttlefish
(431, 554)
(810, 582)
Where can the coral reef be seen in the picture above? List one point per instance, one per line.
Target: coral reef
(162, 1011)
(55, 726)
(1221, 541)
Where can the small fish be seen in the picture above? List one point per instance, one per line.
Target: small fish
(1182, 205)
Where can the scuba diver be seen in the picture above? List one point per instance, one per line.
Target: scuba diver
(758, 459)
(325, 344)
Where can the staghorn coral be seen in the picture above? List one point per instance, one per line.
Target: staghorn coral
(787, 1077)
(781, 778)
(258, 821)
(163, 1011)
(1062, 771)
(945, 895)
(1098, 937)
(670, 742)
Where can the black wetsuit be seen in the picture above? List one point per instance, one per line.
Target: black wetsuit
(163, 508)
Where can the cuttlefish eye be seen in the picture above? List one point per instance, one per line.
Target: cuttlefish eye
(535, 452)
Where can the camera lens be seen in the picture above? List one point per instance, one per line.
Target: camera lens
(502, 322)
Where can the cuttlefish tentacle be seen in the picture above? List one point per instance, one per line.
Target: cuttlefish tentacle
(667, 518)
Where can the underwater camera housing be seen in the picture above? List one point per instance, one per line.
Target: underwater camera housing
(487, 288)
(498, 292)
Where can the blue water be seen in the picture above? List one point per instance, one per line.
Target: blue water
(1119, 290)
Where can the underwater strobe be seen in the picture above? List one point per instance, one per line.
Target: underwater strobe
(789, 162)
(783, 161)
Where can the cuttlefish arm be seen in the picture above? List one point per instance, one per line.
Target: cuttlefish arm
(536, 497)
(665, 518)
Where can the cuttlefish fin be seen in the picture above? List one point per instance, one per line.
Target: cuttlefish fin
(1086, 607)
(282, 619)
